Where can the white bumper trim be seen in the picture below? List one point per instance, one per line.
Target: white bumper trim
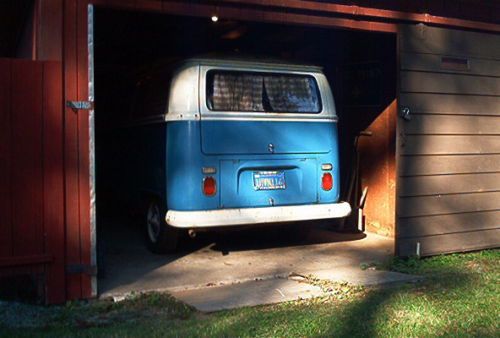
(228, 217)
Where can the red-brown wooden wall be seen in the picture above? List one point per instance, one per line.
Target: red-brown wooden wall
(31, 172)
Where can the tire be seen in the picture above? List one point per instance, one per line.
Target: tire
(161, 238)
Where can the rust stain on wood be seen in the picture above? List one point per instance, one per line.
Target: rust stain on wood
(378, 172)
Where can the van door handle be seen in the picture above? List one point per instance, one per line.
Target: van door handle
(270, 148)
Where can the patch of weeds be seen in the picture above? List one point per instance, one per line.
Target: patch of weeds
(98, 313)
(486, 260)
(405, 265)
(335, 290)
(156, 301)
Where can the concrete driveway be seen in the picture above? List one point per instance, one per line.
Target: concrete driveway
(225, 258)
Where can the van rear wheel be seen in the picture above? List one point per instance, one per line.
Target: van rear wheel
(161, 237)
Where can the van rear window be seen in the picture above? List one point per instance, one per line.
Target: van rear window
(234, 91)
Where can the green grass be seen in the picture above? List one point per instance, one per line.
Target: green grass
(459, 297)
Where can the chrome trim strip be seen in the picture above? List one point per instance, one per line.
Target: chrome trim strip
(270, 118)
(173, 118)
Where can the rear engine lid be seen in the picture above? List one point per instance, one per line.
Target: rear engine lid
(266, 137)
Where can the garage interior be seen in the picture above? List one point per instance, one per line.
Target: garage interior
(362, 70)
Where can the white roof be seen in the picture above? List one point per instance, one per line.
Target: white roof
(188, 93)
(267, 64)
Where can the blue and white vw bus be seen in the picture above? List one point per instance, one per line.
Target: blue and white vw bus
(243, 142)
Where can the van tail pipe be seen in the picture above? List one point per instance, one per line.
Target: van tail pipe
(192, 233)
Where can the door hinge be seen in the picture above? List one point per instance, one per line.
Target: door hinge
(80, 105)
(74, 269)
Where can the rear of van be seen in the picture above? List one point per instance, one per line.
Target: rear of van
(261, 145)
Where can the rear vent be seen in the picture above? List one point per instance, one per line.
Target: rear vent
(452, 63)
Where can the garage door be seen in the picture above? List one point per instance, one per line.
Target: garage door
(449, 144)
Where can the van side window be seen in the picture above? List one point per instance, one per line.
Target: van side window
(232, 91)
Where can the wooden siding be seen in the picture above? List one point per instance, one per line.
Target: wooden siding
(453, 125)
(450, 164)
(429, 144)
(435, 103)
(448, 42)
(453, 242)
(31, 167)
(432, 63)
(431, 82)
(444, 224)
(448, 194)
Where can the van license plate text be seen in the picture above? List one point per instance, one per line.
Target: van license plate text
(269, 180)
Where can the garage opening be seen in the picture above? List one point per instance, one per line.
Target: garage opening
(361, 69)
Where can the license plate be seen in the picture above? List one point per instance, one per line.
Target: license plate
(269, 180)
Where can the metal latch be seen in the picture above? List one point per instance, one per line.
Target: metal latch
(405, 113)
(75, 269)
(80, 105)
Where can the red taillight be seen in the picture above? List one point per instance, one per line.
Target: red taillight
(327, 181)
(209, 186)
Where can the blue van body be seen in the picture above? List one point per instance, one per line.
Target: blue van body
(300, 149)
(267, 166)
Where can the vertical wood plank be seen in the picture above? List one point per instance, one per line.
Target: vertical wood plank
(27, 174)
(83, 142)
(391, 140)
(5, 159)
(49, 38)
(53, 188)
(71, 151)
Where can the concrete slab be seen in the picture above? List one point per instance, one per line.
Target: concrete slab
(249, 293)
(243, 268)
(234, 257)
(277, 290)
